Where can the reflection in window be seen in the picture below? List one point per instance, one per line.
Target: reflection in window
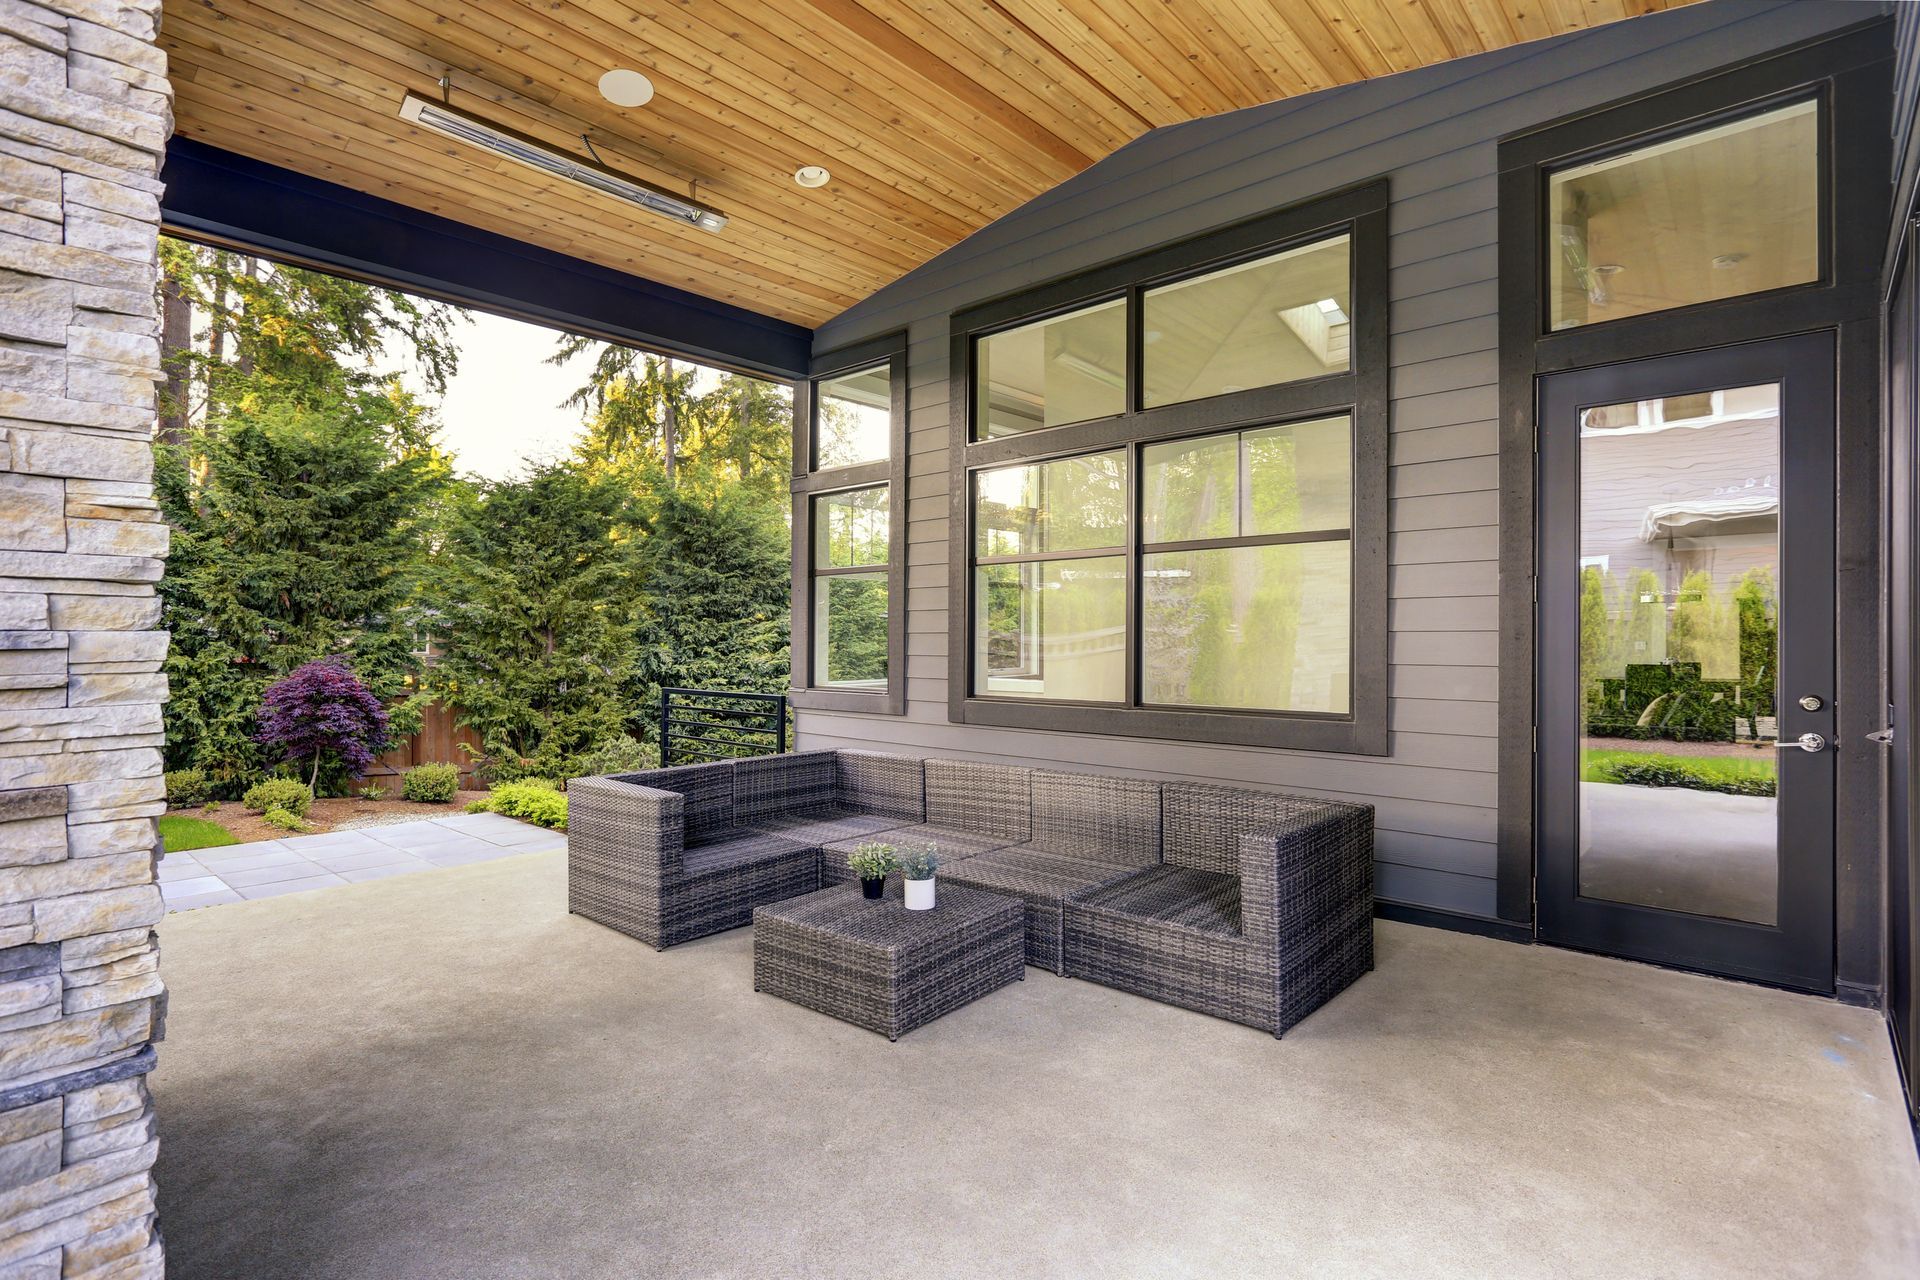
(1073, 504)
(1054, 629)
(1293, 478)
(1718, 213)
(1278, 319)
(1260, 627)
(853, 418)
(1065, 369)
(1679, 623)
(851, 548)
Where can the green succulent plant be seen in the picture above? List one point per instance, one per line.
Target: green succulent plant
(918, 861)
(872, 860)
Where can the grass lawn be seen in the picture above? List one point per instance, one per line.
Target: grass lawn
(179, 833)
(1594, 764)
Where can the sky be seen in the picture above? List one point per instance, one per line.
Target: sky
(503, 406)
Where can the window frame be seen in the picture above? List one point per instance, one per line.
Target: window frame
(1361, 392)
(809, 483)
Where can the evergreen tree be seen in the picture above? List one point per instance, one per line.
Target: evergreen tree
(532, 621)
(297, 535)
(717, 582)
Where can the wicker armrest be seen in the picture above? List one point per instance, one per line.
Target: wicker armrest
(1306, 874)
(641, 828)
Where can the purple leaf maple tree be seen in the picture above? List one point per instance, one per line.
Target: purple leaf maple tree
(321, 707)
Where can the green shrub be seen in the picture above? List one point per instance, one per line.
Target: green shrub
(286, 820)
(535, 800)
(279, 793)
(616, 755)
(431, 783)
(1669, 773)
(372, 791)
(479, 806)
(187, 787)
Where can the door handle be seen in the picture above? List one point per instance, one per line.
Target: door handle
(1805, 742)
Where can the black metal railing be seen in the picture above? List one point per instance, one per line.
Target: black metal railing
(697, 725)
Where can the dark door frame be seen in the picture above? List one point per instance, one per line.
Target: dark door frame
(1850, 72)
(1796, 951)
(1903, 667)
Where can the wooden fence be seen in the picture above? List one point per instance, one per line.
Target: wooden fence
(438, 742)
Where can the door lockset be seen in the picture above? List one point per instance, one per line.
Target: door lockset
(1811, 702)
(1805, 742)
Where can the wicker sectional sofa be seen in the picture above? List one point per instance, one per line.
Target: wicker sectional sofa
(1249, 905)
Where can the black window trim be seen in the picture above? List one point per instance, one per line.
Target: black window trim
(1362, 391)
(810, 483)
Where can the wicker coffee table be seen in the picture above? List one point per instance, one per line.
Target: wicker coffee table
(881, 966)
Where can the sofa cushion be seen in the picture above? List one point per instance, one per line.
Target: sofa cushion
(1084, 815)
(951, 846)
(1202, 824)
(828, 827)
(988, 799)
(707, 790)
(741, 849)
(800, 782)
(876, 782)
(1204, 900)
(1034, 874)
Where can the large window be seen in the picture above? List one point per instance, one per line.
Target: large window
(849, 544)
(1715, 213)
(1172, 474)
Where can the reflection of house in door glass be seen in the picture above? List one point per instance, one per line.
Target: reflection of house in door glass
(1679, 565)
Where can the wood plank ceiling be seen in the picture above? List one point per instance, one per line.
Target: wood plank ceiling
(934, 116)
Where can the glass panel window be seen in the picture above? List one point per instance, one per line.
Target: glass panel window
(1054, 629)
(1679, 646)
(850, 529)
(1293, 478)
(1072, 504)
(1063, 369)
(1722, 212)
(1262, 627)
(853, 418)
(1277, 319)
(850, 557)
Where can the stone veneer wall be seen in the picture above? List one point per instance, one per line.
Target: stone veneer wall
(84, 116)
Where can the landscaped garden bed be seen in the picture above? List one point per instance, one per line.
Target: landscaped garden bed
(338, 813)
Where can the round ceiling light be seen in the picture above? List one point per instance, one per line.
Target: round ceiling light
(624, 88)
(811, 175)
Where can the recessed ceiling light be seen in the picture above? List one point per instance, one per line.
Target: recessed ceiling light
(1608, 269)
(811, 175)
(1727, 261)
(624, 88)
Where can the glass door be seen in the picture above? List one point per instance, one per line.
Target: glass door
(1684, 757)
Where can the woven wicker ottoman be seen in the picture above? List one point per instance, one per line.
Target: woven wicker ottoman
(881, 966)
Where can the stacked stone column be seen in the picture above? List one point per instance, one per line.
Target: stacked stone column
(84, 118)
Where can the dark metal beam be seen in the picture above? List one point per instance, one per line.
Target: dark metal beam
(222, 198)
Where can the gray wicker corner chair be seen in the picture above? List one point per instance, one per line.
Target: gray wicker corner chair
(657, 855)
(1261, 912)
(971, 809)
(1088, 831)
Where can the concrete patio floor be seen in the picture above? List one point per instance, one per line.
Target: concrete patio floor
(447, 1076)
(294, 864)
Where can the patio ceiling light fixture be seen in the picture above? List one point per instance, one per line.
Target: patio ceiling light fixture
(514, 145)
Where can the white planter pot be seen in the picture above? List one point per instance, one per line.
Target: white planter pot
(920, 894)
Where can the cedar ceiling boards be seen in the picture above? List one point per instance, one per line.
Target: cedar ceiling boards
(934, 116)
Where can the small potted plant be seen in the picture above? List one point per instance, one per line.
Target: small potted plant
(871, 862)
(917, 865)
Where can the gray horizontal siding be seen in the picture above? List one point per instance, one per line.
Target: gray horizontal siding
(1435, 133)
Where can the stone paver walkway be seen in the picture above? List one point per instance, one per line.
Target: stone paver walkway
(269, 868)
